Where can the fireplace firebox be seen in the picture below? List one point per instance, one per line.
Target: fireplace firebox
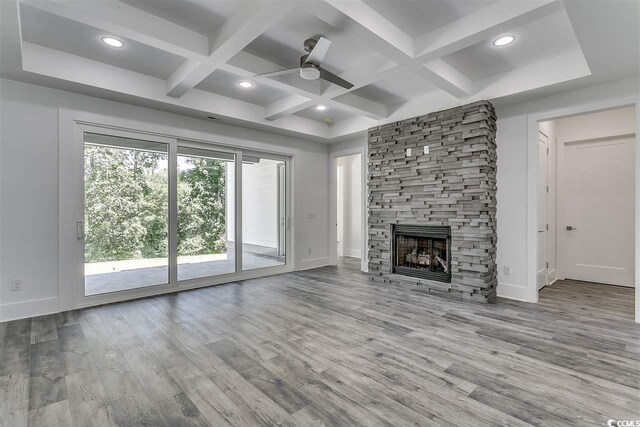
(422, 251)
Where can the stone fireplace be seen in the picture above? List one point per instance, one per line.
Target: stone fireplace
(432, 203)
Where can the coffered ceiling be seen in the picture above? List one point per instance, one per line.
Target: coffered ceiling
(404, 57)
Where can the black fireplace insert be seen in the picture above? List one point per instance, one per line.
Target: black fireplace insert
(422, 251)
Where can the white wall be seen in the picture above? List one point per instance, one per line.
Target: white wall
(260, 203)
(29, 186)
(513, 167)
(596, 125)
(350, 205)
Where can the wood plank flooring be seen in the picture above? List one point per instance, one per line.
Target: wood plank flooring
(326, 347)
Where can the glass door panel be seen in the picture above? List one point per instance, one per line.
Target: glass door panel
(206, 209)
(263, 212)
(125, 214)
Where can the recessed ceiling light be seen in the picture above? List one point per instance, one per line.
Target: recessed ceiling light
(321, 107)
(112, 41)
(503, 41)
(245, 84)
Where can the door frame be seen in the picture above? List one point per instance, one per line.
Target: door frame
(333, 205)
(546, 215)
(532, 165)
(71, 166)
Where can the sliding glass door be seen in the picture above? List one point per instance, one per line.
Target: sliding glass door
(158, 213)
(206, 201)
(263, 212)
(126, 214)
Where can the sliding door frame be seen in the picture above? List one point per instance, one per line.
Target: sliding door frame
(71, 258)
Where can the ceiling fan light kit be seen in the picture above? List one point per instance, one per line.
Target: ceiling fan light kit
(309, 71)
(311, 64)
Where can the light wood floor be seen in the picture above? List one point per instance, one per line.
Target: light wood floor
(326, 347)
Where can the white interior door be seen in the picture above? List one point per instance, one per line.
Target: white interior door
(599, 210)
(542, 202)
(282, 209)
(340, 209)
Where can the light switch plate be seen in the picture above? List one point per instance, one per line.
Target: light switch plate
(408, 152)
(426, 149)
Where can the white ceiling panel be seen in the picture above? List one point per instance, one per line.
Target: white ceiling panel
(544, 38)
(328, 116)
(203, 16)
(224, 83)
(400, 87)
(418, 17)
(56, 32)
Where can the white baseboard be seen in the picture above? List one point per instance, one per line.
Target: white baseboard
(553, 275)
(313, 263)
(23, 309)
(353, 253)
(507, 290)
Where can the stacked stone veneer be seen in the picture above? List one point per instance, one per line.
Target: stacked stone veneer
(454, 185)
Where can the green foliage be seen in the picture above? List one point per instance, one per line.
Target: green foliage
(201, 207)
(126, 202)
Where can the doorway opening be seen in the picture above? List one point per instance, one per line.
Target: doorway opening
(586, 202)
(349, 206)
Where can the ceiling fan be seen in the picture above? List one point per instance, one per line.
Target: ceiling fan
(310, 64)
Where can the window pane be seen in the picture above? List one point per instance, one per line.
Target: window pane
(263, 213)
(126, 214)
(205, 213)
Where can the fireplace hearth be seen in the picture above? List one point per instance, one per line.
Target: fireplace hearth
(422, 251)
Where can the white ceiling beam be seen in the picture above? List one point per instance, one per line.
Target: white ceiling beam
(486, 23)
(348, 127)
(149, 91)
(543, 73)
(286, 106)
(360, 105)
(370, 30)
(459, 85)
(244, 26)
(122, 20)
(366, 72)
(375, 23)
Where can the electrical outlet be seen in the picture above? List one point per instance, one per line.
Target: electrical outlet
(16, 285)
(426, 149)
(408, 152)
(507, 270)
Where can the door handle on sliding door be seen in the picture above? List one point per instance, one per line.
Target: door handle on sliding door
(79, 230)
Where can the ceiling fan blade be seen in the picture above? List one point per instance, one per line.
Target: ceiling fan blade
(332, 78)
(319, 51)
(278, 73)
